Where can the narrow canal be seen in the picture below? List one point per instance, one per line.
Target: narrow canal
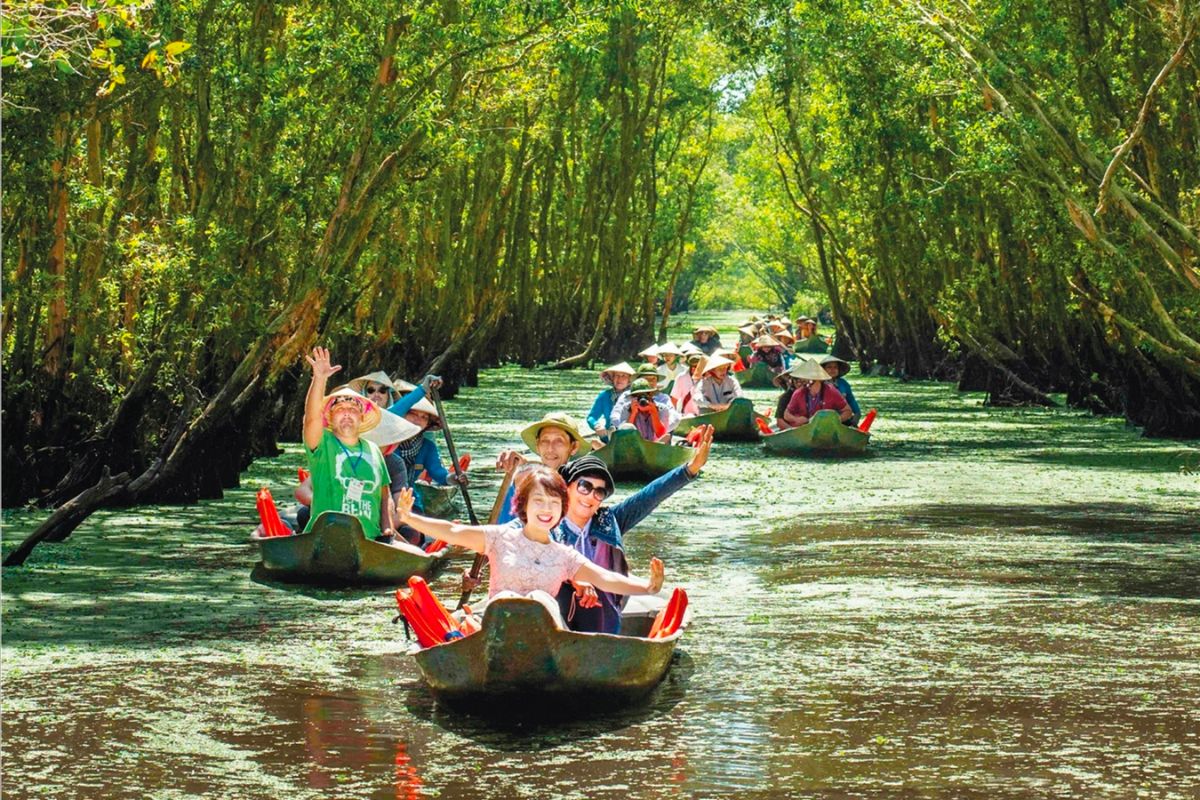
(995, 602)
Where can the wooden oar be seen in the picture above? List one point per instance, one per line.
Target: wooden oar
(480, 558)
(458, 473)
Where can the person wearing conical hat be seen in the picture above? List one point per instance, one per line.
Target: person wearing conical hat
(420, 451)
(769, 350)
(806, 328)
(348, 471)
(647, 409)
(717, 388)
(706, 338)
(618, 377)
(376, 387)
(681, 392)
(838, 368)
(815, 394)
(671, 366)
(786, 338)
(650, 355)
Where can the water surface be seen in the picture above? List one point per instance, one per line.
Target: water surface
(995, 603)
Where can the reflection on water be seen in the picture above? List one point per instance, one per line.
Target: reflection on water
(998, 603)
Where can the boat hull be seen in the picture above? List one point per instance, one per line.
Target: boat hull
(335, 553)
(520, 658)
(735, 423)
(813, 344)
(824, 434)
(758, 376)
(436, 501)
(630, 457)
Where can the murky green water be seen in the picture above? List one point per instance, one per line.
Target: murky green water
(995, 603)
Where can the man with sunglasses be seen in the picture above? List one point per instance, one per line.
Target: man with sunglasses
(598, 531)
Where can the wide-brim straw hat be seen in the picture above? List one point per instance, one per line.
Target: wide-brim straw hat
(715, 361)
(652, 350)
(370, 411)
(807, 369)
(380, 377)
(669, 349)
(392, 428)
(832, 359)
(435, 424)
(622, 368)
(709, 329)
(767, 340)
(555, 419)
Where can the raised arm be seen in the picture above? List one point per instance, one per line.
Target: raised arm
(615, 583)
(314, 425)
(468, 536)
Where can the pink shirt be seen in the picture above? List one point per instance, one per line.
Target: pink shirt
(681, 395)
(519, 564)
(804, 404)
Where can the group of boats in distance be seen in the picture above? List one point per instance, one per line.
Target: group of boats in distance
(516, 653)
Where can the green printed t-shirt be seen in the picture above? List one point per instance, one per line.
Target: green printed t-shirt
(348, 479)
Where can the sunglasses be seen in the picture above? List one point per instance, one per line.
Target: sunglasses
(586, 487)
(376, 389)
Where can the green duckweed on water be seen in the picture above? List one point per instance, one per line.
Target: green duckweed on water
(993, 602)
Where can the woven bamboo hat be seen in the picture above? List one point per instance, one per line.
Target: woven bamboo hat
(669, 349)
(832, 359)
(380, 377)
(807, 369)
(652, 350)
(766, 340)
(392, 428)
(715, 361)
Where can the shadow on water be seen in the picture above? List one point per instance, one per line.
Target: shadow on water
(534, 729)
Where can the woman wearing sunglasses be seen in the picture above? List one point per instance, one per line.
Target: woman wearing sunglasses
(522, 556)
(597, 531)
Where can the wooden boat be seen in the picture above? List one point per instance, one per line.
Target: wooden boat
(813, 344)
(758, 376)
(436, 501)
(520, 659)
(336, 553)
(824, 433)
(629, 456)
(735, 423)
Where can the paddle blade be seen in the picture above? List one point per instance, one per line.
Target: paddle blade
(302, 474)
(464, 462)
(434, 546)
(868, 420)
(763, 427)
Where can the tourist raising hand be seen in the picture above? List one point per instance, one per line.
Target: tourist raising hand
(319, 361)
(703, 446)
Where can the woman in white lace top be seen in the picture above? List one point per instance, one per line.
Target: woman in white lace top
(522, 557)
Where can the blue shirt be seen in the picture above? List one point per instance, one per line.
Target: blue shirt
(601, 409)
(843, 386)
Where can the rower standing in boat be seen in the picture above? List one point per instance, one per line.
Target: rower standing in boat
(598, 531)
(348, 473)
(815, 394)
(717, 389)
(618, 377)
(523, 558)
(838, 368)
(706, 339)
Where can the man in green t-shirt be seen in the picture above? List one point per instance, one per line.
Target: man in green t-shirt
(348, 472)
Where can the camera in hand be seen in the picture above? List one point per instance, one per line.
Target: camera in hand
(643, 401)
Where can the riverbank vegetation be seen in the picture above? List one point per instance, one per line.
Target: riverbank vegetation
(1005, 194)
